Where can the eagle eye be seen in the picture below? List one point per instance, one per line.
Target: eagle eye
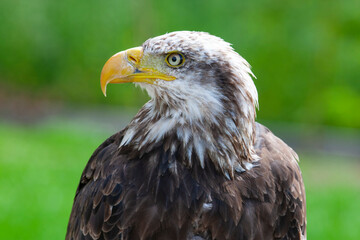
(175, 59)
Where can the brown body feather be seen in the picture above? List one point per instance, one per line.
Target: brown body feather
(153, 194)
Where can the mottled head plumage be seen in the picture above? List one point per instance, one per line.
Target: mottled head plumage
(211, 105)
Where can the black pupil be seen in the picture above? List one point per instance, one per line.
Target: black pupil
(173, 59)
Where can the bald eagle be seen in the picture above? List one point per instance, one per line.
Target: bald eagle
(192, 164)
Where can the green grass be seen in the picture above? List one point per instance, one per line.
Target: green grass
(39, 171)
(40, 167)
(333, 197)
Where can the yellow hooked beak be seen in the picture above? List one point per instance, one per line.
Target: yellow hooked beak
(126, 67)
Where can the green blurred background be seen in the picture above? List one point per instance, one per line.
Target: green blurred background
(306, 56)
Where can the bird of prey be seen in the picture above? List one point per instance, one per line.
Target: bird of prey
(192, 164)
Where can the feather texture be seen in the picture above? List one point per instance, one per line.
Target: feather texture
(136, 198)
(193, 164)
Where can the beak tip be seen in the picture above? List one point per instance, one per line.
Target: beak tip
(103, 89)
(118, 67)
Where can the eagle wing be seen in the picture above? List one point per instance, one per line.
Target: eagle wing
(98, 200)
(264, 202)
(284, 188)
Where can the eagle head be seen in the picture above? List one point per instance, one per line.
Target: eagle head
(201, 91)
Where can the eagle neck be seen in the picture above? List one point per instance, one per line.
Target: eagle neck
(215, 140)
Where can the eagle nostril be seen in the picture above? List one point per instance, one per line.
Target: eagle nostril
(132, 59)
